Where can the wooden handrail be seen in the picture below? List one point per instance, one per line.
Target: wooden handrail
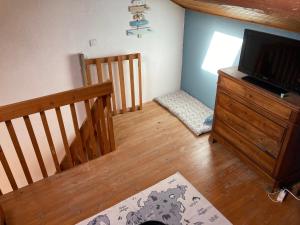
(36, 105)
(111, 58)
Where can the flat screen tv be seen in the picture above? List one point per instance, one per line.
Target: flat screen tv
(271, 61)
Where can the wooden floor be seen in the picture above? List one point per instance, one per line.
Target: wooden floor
(235, 188)
(151, 146)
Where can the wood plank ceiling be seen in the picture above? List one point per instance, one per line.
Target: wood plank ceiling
(284, 14)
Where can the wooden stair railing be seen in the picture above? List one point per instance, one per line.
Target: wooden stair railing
(97, 114)
(93, 139)
(105, 71)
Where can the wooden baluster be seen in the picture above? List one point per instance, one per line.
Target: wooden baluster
(102, 122)
(77, 132)
(88, 75)
(89, 80)
(110, 125)
(111, 78)
(64, 135)
(50, 141)
(122, 84)
(140, 81)
(35, 146)
(94, 154)
(99, 71)
(18, 149)
(132, 82)
(7, 170)
(96, 121)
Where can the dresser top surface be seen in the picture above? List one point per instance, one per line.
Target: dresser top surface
(292, 99)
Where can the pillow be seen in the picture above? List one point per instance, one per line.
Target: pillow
(209, 120)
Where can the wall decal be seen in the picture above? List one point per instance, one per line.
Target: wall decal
(139, 25)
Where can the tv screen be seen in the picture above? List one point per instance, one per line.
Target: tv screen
(271, 59)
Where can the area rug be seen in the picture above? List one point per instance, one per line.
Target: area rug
(173, 201)
(189, 110)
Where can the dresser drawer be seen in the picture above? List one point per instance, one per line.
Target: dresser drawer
(248, 131)
(251, 151)
(255, 97)
(268, 127)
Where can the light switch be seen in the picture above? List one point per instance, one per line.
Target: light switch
(93, 42)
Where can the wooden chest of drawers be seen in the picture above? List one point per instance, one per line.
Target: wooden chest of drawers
(260, 126)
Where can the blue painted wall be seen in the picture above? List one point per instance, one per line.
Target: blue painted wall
(199, 29)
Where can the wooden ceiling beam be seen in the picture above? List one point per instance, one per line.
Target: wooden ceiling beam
(290, 8)
(275, 13)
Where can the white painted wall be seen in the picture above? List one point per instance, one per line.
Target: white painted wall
(39, 42)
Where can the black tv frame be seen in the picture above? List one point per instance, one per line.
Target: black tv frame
(243, 68)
